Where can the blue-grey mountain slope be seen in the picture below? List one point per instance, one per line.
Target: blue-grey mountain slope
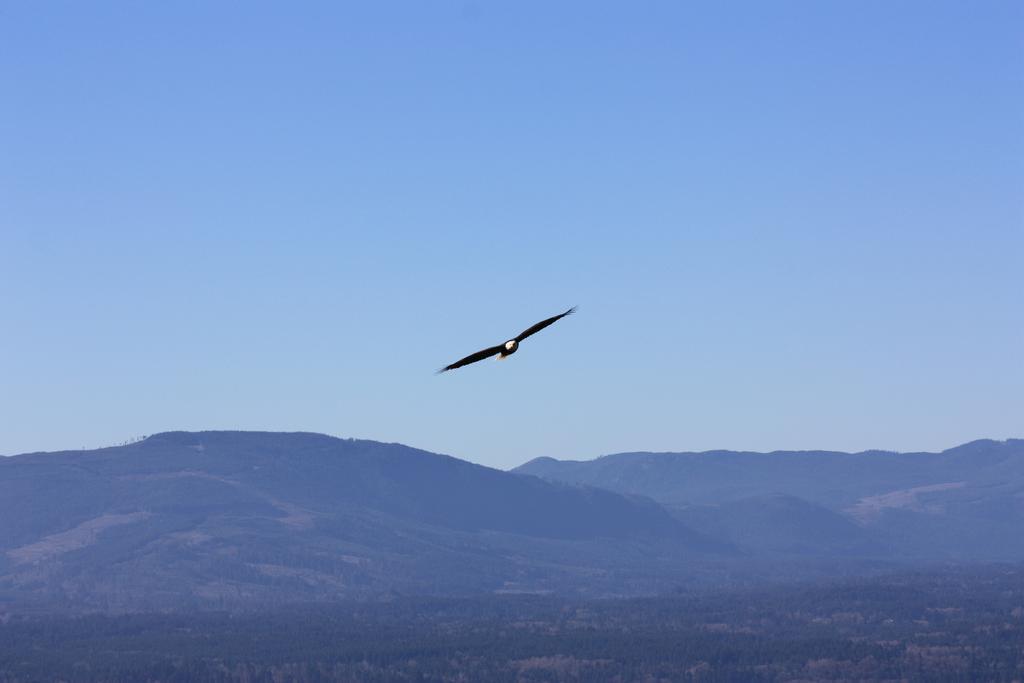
(246, 518)
(965, 503)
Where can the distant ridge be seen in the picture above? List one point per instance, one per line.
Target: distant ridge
(965, 503)
(694, 476)
(969, 446)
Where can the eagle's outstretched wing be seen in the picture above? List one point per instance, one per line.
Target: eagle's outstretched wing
(542, 324)
(474, 357)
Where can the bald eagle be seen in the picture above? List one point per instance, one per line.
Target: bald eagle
(505, 350)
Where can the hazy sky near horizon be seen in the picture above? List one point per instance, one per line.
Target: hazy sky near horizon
(786, 225)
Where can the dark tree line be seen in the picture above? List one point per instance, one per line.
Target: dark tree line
(957, 625)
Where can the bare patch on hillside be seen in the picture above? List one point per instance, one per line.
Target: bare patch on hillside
(189, 538)
(178, 474)
(82, 535)
(308, 576)
(294, 516)
(870, 508)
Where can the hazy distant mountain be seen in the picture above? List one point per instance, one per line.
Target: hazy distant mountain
(245, 519)
(783, 524)
(238, 518)
(966, 503)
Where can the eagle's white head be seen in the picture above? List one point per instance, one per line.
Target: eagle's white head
(509, 345)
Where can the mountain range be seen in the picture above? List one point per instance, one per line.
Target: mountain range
(237, 520)
(963, 504)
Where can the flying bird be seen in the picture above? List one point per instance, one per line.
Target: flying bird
(505, 350)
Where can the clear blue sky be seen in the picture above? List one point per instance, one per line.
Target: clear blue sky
(787, 224)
